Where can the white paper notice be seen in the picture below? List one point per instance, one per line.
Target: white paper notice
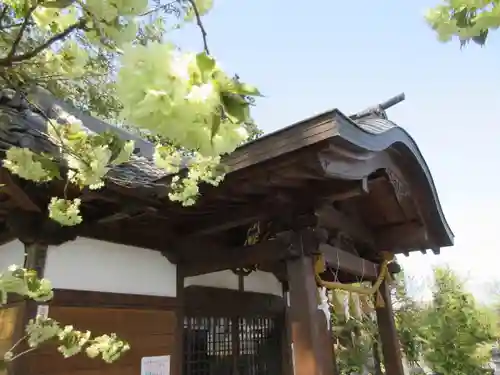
(42, 311)
(159, 365)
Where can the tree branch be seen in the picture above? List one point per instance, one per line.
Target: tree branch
(6, 62)
(4, 28)
(167, 8)
(20, 34)
(3, 13)
(200, 26)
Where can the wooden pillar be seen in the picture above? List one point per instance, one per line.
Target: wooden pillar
(388, 334)
(35, 255)
(286, 350)
(306, 341)
(177, 366)
(327, 348)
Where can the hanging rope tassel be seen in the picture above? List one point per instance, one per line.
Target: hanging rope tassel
(354, 308)
(379, 301)
(337, 301)
(320, 267)
(366, 305)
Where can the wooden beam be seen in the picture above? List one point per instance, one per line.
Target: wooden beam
(330, 218)
(128, 213)
(349, 263)
(223, 221)
(123, 233)
(210, 301)
(215, 258)
(279, 204)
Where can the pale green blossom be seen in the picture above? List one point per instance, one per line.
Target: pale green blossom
(125, 153)
(167, 158)
(183, 97)
(22, 161)
(24, 282)
(65, 212)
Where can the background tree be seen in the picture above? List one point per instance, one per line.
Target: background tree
(451, 334)
(354, 331)
(458, 334)
(409, 316)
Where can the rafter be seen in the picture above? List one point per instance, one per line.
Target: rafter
(16, 193)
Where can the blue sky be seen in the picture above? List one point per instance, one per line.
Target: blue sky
(310, 57)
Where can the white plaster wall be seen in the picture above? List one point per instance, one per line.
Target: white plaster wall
(11, 253)
(259, 281)
(87, 264)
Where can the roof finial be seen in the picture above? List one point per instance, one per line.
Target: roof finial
(379, 110)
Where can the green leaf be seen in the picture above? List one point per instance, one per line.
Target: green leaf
(49, 165)
(54, 27)
(246, 89)
(481, 38)
(216, 120)
(116, 146)
(205, 63)
(463, 18)
(203, 7)
(235, 108)
(58, 4)
(76, 136)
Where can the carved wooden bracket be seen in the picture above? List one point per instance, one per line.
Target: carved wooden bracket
(400, 187)
(32, 227)
(306, 242)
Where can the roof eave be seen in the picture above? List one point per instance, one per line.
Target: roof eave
(396, 141)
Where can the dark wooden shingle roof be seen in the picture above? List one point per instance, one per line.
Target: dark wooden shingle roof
(312, 153)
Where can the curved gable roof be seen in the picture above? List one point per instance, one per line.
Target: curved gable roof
(382, 135)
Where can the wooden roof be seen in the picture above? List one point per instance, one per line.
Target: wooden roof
(369, 170)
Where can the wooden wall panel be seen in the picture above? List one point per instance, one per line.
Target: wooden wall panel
(8, 325)
(149, 332)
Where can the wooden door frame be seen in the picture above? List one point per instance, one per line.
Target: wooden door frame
(209, 301)
(200, 301)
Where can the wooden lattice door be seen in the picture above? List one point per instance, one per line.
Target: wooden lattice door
(232, 341)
